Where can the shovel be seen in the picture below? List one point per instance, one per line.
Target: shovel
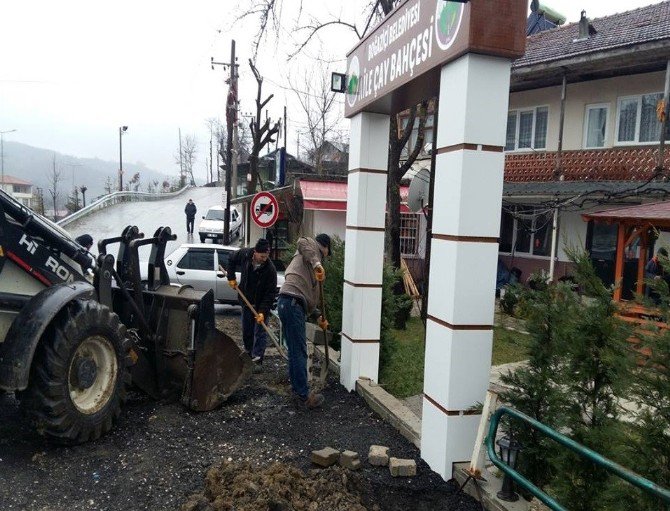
(271, 334)
(324, 367)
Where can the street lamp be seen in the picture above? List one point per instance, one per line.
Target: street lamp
(122, 130)
(509, 451)
(2, 157)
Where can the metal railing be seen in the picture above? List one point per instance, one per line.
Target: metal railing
(597, 459)
(115, 198)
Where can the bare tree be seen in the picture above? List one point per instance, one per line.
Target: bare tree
(398, 139)
(39, 200)
(109, 185)
(134, 183)
(215, 128)
(186, 159)
(269, 15)
(83, 189)
(54, 178)
(318, 104)
(261, 134)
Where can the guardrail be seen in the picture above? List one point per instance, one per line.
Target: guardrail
(597, 459)
(115, 198)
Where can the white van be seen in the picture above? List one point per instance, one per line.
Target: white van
(212, 224)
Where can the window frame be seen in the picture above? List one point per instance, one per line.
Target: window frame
(587, 109)
(413, 238)
(531, 240)
(197, 250)
(517, 112)
(638, 120)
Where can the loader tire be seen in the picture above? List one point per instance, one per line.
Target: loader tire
(79, 374)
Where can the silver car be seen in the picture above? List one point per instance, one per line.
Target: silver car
(197, 264)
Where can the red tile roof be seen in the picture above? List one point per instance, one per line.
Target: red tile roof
(643, 25)
(11, 180)
(654, 213)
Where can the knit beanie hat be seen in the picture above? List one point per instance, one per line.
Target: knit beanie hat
(262, 245)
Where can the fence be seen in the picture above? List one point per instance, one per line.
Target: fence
(597, 459)
(115, 198)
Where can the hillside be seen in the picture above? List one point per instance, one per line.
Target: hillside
(34, 164)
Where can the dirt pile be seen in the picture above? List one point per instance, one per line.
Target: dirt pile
(231, 486)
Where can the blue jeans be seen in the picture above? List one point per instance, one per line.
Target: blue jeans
(254, 336)
(292, 317)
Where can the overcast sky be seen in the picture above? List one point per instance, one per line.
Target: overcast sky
(72, 72)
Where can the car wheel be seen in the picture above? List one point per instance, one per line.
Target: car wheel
(202, 239)
(79, 374)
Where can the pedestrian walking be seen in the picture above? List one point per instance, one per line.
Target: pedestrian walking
(258, 282)
(298, 297)
(190, 211)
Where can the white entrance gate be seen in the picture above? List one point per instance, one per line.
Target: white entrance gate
(461, 53)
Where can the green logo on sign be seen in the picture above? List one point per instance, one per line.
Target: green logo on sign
(448, 17)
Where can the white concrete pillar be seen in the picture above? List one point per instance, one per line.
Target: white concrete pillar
(364, 248)
(472, 120)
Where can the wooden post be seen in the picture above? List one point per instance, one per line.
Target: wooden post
(642, 261)
(618, 267)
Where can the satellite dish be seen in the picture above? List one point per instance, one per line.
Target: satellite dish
(417, 196)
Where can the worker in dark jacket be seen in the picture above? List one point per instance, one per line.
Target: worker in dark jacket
(190, 211)
(258, 282)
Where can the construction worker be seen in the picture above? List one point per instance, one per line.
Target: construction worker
(298, 297)
(190, 210)
(85, 240)
(258, 282)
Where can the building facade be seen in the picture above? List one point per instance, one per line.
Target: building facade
(20, 189)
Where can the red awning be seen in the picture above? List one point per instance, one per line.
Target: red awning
(332, 196)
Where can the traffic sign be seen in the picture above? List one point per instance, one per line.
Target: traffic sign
(264, 209)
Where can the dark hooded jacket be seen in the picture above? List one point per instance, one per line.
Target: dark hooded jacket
(190, 210)
(259, 285)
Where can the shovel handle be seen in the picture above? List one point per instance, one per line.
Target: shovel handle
(324, 368)
(253, 311)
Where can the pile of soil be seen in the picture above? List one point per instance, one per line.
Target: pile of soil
(278, 487)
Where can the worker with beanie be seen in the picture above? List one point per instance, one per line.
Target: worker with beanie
(258, 282)
(298, 297)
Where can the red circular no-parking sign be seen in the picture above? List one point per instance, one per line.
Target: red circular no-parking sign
(264, 209)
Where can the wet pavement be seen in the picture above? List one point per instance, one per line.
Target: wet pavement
(148, 216)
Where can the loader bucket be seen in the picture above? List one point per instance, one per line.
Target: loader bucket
(183, 352)
(219, 368)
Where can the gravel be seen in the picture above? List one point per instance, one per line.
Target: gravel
(159, 454)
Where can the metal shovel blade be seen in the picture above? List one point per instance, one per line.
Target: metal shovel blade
(219, 368)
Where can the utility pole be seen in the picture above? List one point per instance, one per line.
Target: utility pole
(231, 125)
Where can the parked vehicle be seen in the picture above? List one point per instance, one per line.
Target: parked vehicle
(211, 226)
(197, 265)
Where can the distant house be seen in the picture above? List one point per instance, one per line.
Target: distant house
(20, 189)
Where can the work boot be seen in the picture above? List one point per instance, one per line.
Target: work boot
(314, 400)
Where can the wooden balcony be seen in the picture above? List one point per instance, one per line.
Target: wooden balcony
(635, 163)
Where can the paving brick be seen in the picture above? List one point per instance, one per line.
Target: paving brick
(325, 457)
(378, 455)
(350, 460)
(402, 468)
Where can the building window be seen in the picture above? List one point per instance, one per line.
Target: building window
(595, 127)
(525, 230)
(409, 234)
(636, 119)
(527, 129)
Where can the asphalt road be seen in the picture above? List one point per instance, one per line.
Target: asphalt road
(148, 216)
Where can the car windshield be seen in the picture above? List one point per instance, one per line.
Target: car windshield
(214, 214)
